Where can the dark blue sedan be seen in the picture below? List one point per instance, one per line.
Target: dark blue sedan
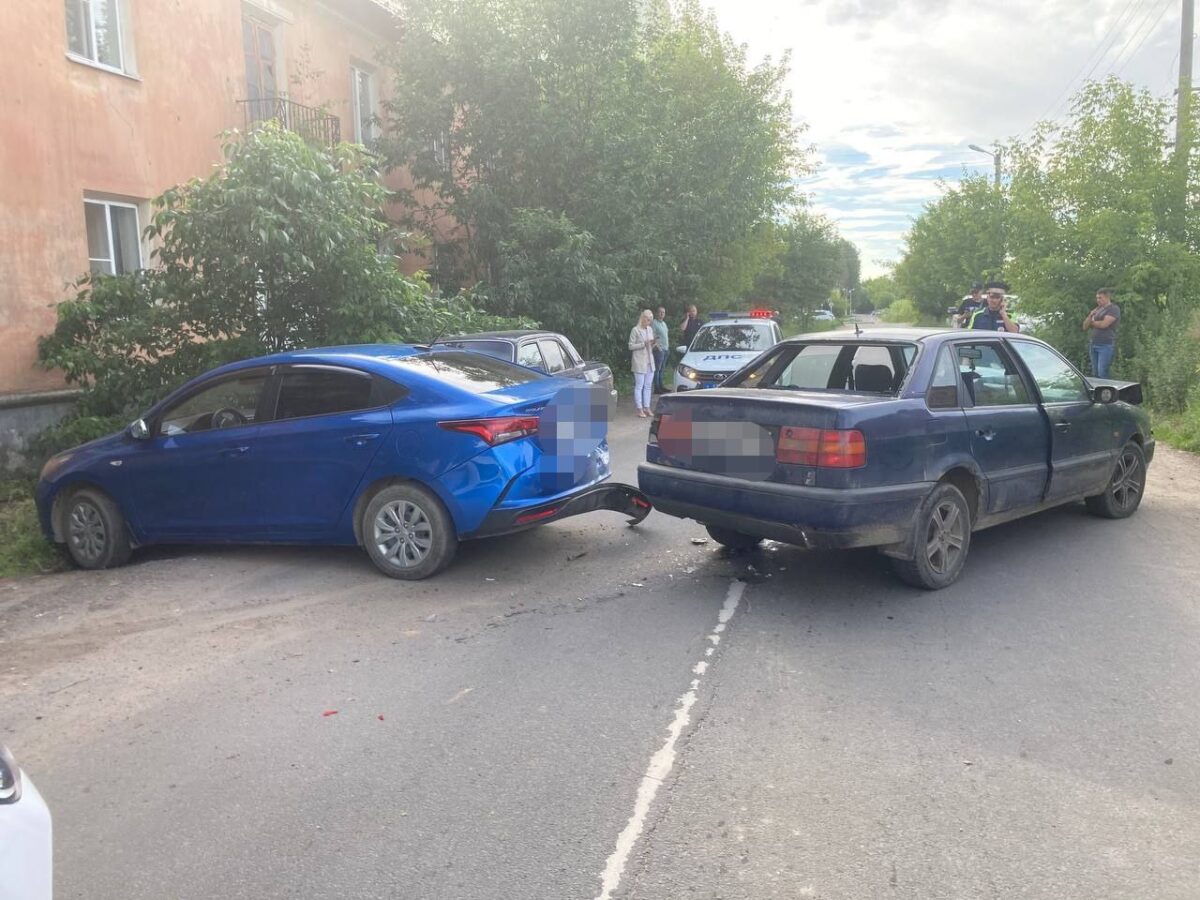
(402, 450)
(906, 440)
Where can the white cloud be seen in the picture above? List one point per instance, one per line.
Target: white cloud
(893, 91)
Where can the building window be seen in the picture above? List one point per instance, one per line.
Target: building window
(94, 32)
(114, 237)
(441, 151)
(362, 98)
(258, 46)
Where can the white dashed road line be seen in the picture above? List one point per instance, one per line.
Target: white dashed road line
(662, 761)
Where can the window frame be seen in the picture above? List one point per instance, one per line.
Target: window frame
(536, 345)
(107, 205)
(1027, 371)
(1006, 354)
(946, 350)
(771, 362)
(170, 404)
(119, 30)
(561, 353)
(375, 399)
(357, 70)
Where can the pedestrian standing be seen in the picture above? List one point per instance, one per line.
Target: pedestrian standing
(691, 324)
(661, 342)
(641, 348)
(971, 304)
(1101, 324)
(993, 316)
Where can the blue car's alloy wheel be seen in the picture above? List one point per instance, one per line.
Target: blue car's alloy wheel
(407, 532)
(94, 530)
(403, 534)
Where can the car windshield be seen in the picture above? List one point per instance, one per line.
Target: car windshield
(474, 372)
(499, 349)
(858, 367)
(732, 337)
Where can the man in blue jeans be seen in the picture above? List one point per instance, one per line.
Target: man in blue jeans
(661, 348)
(1101, 323)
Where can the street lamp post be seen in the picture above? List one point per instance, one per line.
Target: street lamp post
(996, 157)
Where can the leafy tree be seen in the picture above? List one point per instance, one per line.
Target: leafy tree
(878, 293)
(809, 261)
(639, 126)
(1091, 202)
(955, 241)
(278, 249)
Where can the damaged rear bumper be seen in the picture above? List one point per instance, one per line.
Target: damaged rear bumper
(622, 498)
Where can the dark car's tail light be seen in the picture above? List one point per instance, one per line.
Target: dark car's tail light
(495, 431)
(654, 424)
(825, 447)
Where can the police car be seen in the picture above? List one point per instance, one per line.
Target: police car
(725, 343)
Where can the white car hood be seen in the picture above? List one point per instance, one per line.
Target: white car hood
(719, 360)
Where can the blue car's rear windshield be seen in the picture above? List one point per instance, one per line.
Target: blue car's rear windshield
(853, 366)
(474, 372)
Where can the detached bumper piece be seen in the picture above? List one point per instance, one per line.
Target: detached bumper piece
(622, 498)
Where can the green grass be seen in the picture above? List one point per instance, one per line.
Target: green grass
(1180, 430)
(23, 550)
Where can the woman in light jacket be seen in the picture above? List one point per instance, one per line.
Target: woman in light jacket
(641, 346)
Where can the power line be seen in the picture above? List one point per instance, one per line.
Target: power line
(1145, 36)
(1114, 33)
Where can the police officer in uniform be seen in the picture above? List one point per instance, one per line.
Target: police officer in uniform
(993, 317)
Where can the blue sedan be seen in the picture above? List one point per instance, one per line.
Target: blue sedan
(402, 450)
(905, 440)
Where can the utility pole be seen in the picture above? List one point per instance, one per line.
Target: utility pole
(1000, 153)
(1183, 118)
(1185, 78)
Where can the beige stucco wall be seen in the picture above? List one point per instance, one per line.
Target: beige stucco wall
(73, 129)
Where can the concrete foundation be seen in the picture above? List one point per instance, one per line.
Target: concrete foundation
(23, 417)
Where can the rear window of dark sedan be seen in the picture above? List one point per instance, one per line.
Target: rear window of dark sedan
(861, 367)
(499, 349)
(472, 372)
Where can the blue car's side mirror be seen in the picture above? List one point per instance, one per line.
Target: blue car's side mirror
(139, 430)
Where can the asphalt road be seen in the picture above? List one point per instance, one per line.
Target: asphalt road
(589, 707)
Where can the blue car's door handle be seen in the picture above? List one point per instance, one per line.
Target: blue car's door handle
(236, 451)
(1062, 426)
(361, 440)
(986, 433)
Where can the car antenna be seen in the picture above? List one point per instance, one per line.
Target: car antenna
(857, 330)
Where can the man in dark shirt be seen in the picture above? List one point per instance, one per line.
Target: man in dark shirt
(994, 317)
(1101, 323)
(691, 325)
(970, 304)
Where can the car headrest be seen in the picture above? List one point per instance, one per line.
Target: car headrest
(874, 379)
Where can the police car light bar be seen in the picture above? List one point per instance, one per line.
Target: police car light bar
(750, 314)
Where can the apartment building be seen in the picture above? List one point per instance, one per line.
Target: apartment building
(112, 101)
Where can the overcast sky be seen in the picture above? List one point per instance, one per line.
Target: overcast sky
(893, 91)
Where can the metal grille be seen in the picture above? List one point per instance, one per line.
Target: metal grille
(309, 122)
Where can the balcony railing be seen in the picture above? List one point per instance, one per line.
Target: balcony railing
(311, 123)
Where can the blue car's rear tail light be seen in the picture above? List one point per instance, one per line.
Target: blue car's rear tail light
(495, 431)
(825, 447)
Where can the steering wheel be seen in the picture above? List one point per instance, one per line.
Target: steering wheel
(227, 416)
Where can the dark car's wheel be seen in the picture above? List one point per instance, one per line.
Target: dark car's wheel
(941, 542)
(94, 530)
(734, 540)
(1125, 488)
(407, 532)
